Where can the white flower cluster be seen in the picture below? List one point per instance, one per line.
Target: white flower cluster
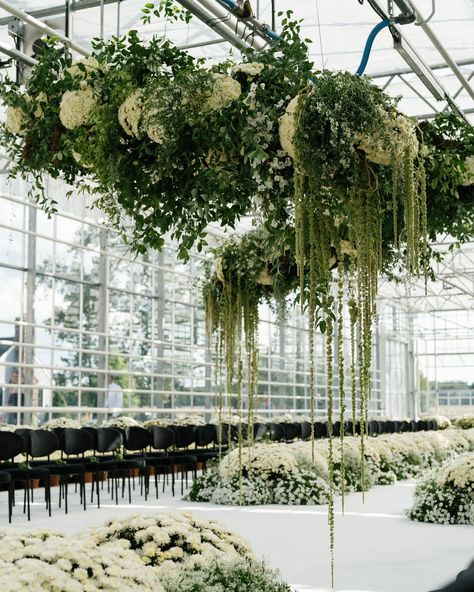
(226, 574)
(60, 422)
(121, 422)
(396, 135)
(161, 422)
(41, 99)
(162, 540)
(465, 422)
(130, 112)
(287, 126)
(77, 106)
(272, 473)
(224, 90)
(442, 421)
(301, 487)
(82, 68)
(251, 69)
(469, 178)
(446, 496)
(190, 420)
(43, 560)
(459, 473)
(267, 461)
(15, 121)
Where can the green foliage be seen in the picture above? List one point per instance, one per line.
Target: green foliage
(227, 575)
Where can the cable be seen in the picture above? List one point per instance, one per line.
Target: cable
(368, 45)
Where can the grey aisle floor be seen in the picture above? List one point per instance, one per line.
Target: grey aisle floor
(377, 547)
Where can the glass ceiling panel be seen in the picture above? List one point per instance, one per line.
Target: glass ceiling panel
(338, 30)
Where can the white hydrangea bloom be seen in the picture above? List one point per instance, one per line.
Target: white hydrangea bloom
(224, 90)
(130, 112)
(90, 64)
(60, 422)
(396, 135)
(154, 129)
(40, 100)
(77, 107)
(251, 69)
(121, 422)
(15, 120)
(469, 180)
(287, 127)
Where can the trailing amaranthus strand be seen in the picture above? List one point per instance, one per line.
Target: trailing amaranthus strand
(329, 374)
(340, 365)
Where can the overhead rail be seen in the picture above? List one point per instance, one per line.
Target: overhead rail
(423, 23)
(411, 56)
(17, 55)
(34, 22)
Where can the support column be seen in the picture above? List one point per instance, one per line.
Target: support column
(103, 324)
(27, 378)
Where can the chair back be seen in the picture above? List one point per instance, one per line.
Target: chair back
(161, 438)
(373, 427)
(93, 432)
(136, 438)
(276, 432)
(205, 435)
(305, 430)
(108, 439)
(76, 441)
(42, 443)
(11, 445)
(184, 436)
(259, 431)
(291, 431)
(25, 434)
(320, 429)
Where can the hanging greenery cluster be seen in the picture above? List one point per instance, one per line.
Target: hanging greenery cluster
(157, 135)
(341, 185)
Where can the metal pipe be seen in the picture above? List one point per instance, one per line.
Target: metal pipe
(17, 55)
(30, 20)
(438, 66)
(260, 29)
(214, 23)
(439, 46)
(229, 20)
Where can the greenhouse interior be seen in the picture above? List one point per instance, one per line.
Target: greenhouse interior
(237, 302)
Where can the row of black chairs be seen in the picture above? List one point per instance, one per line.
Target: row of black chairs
(288, 432)
(113, 453)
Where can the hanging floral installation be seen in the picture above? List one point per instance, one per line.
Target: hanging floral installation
(341, 185)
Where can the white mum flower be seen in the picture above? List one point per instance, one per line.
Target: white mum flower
(287, 127)
(250, 69)
(77, 107)
(15, 120)
(40, 100)
(130, 112)
(90, 64)
(225, 90)
(469, 179)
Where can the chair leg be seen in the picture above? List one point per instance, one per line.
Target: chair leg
(10, 502)
(83, 489)
(129, 490)
(28, 499)
(66, 479)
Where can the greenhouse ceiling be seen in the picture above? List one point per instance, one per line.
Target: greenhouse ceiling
(338, 30)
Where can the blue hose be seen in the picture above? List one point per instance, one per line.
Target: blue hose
(368, 46)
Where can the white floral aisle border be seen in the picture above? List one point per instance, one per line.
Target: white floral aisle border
(446, 495)
(286, 473)
(159, 553)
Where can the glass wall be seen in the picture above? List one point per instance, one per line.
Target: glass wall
(78, 310)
